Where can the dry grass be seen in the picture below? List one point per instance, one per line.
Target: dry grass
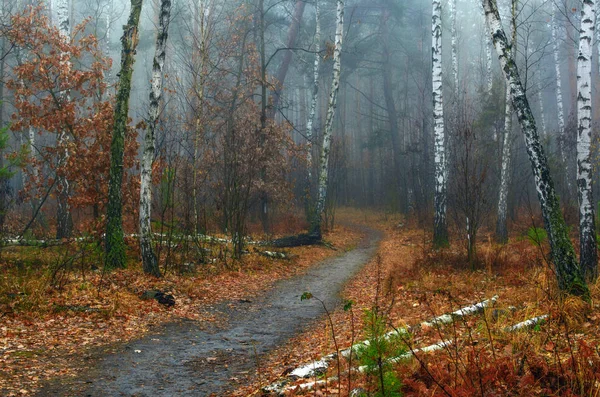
(559, 357)
(53, 309)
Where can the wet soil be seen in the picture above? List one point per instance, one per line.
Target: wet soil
(191, 359)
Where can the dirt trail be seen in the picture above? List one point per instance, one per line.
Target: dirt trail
(183, 360)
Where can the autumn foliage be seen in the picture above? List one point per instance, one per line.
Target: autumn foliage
(59, 86)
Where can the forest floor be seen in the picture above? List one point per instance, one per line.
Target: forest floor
(408, 283)
(405, 284)
(55, 325)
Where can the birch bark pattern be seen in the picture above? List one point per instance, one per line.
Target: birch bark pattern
(501, 226)
(325, 148)
(568, 273)
(454, 41)
(588, 260)
(149, 260)
(440, 227)
(64, 222)
(313, 103)
(114, 241)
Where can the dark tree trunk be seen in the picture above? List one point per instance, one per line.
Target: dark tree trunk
(114, 241)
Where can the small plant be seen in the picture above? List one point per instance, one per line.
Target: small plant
(537, 235)
(377, 355)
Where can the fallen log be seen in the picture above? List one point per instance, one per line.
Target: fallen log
(532, 322)
(297, 240)
(315, 368)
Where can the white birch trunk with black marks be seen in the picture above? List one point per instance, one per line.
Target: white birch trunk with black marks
(315, 96)
(488, 62)
(64, 223)
(587, 227)
(501, 227)
(326, 145)
(149, 260)
(559, 100)
(440, 228)
(454, 41)
(568, 273)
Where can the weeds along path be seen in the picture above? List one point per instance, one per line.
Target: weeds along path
(184, 360)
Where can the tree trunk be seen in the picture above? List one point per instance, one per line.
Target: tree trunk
(64, 222)
(568, 273)
(501, 226)
(587, 227)
(287, 57)
(454, 41)
(440, 227)
(562, 138)
(114, 242)
(325, 148)
(149, 260)
(313, 109)
(388, 96)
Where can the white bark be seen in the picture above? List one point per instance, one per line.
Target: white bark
(587, 232)
(488, 62)
(325, 148)
(563, 255)
(64, 222)
(527, 323)
(454, 40)
(440, 233)
(315, 94)
(317, 367)
(148, 258)
(538, 83)
(559, 99)
(501, 227)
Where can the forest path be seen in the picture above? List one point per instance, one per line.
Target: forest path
(181, 359)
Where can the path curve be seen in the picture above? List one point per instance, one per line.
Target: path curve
(183, 360)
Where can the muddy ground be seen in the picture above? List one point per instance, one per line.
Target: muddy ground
(191, 359)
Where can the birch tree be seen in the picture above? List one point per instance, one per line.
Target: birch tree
(454, 41)
(568, 273)
(587, 227)
(314, 99)
(440, 227)
(149, 260)
(559, 99)
(64, 223)
(501, 227)
(326, 145)
(114, 241)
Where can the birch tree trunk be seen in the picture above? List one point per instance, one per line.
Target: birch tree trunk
(454, 41)
(501, 226)
(313, 103)
(488, 62)
(568, 273)
(114, 242)
(440, 227)
(64, 222)
(325, 148)
(149, 260)
(562, 138)
(587, 227)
